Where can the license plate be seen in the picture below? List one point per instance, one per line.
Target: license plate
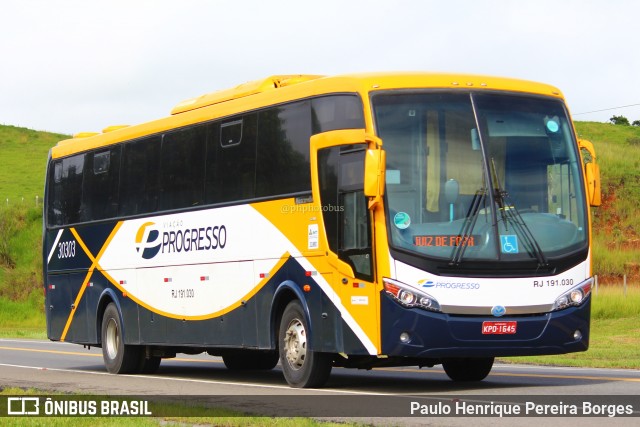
(499, 328)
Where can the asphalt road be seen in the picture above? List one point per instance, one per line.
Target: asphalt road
(66, 367)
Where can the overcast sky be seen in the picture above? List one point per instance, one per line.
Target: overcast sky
(81, 65)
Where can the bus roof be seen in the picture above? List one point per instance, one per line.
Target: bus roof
(278, 89)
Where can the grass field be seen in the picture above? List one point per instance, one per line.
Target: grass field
(615, 333)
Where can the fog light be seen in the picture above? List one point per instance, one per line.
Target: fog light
(577, 335)
(405, 338)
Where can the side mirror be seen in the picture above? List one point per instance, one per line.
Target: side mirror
(374, 174)
(591, 172)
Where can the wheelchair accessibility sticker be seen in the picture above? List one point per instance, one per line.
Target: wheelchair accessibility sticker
(509, 243)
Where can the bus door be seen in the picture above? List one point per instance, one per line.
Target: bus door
(339, 182)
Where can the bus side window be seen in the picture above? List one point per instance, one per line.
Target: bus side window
(283, 150)
(55, 214)
(72, 174)
(182, 177)
(231, 160)
(100, 188)
(335, 112)
(139, 180)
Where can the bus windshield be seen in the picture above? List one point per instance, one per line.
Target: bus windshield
(481, 176)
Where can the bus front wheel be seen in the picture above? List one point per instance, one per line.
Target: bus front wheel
(468, 368)
(302, 367)
(118, 357)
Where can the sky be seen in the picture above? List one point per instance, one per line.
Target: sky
(72, 66)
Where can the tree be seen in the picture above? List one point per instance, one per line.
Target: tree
(636, 123)
(619, 120)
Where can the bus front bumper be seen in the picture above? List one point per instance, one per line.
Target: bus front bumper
(414, 332)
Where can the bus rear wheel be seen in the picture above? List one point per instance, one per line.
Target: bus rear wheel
(119, 358)
(302, 367)
(468, 368)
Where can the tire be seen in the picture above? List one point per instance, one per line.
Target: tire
(118, 357)
(468, 368)
(302, 367)
(246, 360)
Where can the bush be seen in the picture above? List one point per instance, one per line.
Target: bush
(619, 120)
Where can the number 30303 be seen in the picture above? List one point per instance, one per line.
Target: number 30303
(67, 249)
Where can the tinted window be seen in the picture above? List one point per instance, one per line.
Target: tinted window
(57, 176)
(231, 167)
(328, 180)
(283, 150)
(344, 206)
(336, 112)
(231, 133)
(100, 193)
(251, 155)
(54, 213)
(71, 194)
(101, 162)
(182, 177)
(139, 180)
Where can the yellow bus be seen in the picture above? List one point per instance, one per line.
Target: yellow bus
(352, 221)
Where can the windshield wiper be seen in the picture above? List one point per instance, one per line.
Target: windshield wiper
(468, 226)
(509, 214)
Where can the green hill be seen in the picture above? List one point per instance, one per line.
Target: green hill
(24, 158)
(616, 224)
(24, 154)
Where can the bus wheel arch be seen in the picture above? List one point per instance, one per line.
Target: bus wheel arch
(286, 292)
(107, 297)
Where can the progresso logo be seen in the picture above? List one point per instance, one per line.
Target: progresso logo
(148, 240)
(425, 283)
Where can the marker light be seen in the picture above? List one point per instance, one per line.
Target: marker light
(574, 296)
(409, 297)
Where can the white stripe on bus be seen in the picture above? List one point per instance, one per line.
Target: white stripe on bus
(55, 243)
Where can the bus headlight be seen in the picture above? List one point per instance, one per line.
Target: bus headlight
(574, 296)
(408, 296)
